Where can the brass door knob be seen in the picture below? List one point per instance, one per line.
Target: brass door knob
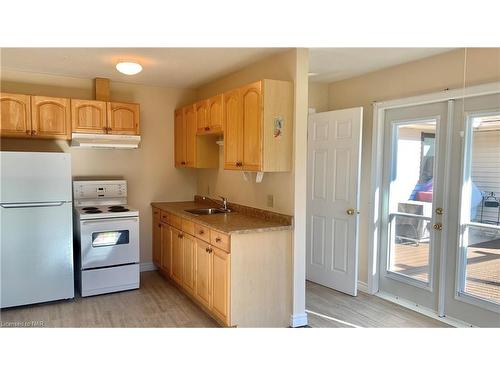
(438, 226)
(350, 211)
(439, 211)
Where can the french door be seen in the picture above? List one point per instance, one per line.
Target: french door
(440, 208)
(413, 202)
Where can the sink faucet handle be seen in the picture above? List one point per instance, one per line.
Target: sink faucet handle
(224, 201)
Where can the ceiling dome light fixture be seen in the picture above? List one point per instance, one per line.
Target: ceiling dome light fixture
(129, 68)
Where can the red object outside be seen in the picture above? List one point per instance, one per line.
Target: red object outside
(424, 196)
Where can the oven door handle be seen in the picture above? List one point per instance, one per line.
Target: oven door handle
(94, 221)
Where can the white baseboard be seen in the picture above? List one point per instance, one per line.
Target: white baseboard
(298, 320)
(424, 310)
(147, 266)
(363, 287)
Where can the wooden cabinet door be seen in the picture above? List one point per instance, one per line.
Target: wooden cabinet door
(123, 118)
(203, 263)
(179, 139)
(214, 113)
(190, 128)
(15, 115)
(189, 275)
(220, 283)
(157, 229)
(88, 116)
(233, 132)
(177, 256)
(166, 248)
(201, 117)
(51, 117)
(251, 107)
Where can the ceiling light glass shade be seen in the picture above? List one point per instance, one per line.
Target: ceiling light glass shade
(128, 68)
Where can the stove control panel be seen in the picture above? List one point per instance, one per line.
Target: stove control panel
(99, 190)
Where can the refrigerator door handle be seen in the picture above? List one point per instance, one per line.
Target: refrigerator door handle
(32, 204)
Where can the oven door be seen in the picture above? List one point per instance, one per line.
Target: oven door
(109, 242)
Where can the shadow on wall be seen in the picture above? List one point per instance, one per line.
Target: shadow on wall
(32, 145)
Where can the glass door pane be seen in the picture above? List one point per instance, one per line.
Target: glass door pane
(479, 267)
(410, 199)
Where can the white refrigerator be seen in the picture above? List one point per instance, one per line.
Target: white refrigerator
(36, 253)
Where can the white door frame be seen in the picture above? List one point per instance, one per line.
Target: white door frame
(375, 218)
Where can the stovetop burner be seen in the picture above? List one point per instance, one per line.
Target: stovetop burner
(96, 211)
(89, 208)
(122, 209)
(115, 207)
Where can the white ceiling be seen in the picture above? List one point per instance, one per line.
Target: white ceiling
(192, 67)
(169, 67)
(335, 64)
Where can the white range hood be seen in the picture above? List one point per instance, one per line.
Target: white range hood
(109, 141)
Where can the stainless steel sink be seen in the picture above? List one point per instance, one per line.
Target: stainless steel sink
(206, 211)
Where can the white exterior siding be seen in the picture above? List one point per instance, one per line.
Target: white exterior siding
(486, 168)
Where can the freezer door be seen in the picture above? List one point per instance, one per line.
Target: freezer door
(36, 253)
(35, 177)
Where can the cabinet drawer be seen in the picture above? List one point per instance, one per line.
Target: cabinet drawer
(202, 232)
(219, 239)
(156, 214)
(188, 226)
(164, 217)
(175, 221)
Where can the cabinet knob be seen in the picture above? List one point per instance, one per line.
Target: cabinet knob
(201, 231)
(180, 236)
(207, 128)
(159, 225)
(33, 132)
(217, 239)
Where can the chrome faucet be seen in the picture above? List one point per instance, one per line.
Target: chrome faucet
(224, 202)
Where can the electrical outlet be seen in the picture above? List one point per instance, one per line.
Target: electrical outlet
(270, 200)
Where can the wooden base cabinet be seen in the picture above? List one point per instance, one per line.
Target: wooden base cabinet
(203, 269)
(220, 276)
(177, 256)
(157, 242)
(241, 280)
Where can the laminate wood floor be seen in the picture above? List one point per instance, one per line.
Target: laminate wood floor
(328, 308)
(157, 303)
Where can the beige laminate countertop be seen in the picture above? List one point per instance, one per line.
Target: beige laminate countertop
(233, 222)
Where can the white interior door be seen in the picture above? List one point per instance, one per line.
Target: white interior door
(333, 165)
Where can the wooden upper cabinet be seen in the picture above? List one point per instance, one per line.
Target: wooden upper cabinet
(15, 115)
(50, 117)
(202, 117)
(258, 127)
(209, 115)
(88, 116)
(233, 132)
(190, 129)
(251, 119)
(123, 118)
(179, 139)
(220, 284)
(214, 113)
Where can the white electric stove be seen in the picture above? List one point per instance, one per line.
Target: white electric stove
(106, 234)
